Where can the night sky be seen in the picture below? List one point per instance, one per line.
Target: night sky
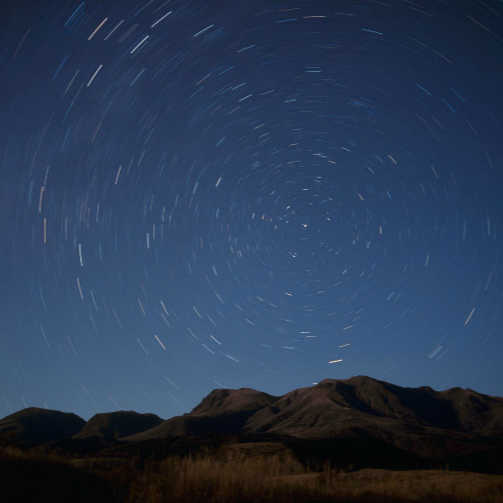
(198, 194)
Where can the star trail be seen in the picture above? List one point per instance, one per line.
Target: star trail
(265, 194)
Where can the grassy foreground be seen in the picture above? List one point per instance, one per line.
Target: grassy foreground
(29, 477)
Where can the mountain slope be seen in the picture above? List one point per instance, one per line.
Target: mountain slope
(222, 411)
(34, 426)
(421, 421)
(227, 401)
(113, 425)
(358, 420)
(336, 405)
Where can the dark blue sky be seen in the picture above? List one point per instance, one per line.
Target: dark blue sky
(223, 194)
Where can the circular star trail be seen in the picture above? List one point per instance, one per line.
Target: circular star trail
(265, 194)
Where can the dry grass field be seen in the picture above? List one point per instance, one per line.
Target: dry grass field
(408, 485)
(277, 478)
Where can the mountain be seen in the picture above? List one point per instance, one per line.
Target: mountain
(222, 411)
(419, 422)
(358, 421)
(113, 425)
(334, 406)
(337, 407)
(229, 401)
(34, 426)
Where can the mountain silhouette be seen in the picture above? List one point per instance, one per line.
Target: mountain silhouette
(113, 425)
(35, 426)
(337, 407)
(358, 420)
(359, 411)
(222, 411)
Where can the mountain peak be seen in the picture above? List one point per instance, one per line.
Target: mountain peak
(113, 425)
(404, 418)
(224, 401)
(355, 380)
(33, 425)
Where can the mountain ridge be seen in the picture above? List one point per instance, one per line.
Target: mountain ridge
(357, 398)
(34, 425)
(113, 425)
(355, 415)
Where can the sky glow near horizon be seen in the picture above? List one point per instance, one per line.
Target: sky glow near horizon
(265, 194)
